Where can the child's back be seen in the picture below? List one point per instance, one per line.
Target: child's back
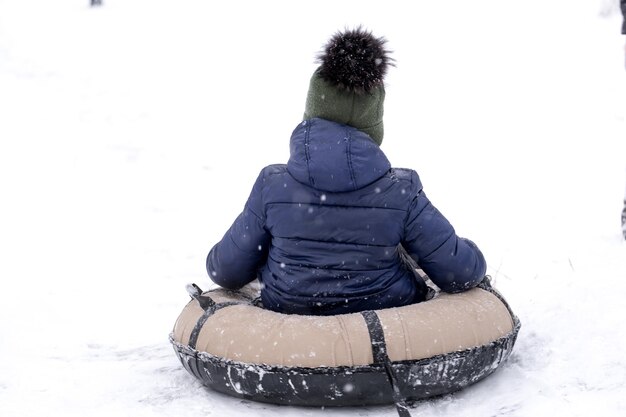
(327, 232)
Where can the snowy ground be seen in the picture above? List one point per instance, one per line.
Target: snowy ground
(130, 136)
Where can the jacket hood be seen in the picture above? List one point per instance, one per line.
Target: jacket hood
(334, 157)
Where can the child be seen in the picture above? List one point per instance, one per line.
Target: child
(337, 229)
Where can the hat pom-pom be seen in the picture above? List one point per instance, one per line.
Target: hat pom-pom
(354, 60)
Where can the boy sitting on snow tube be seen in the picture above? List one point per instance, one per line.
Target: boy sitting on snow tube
(337, 230)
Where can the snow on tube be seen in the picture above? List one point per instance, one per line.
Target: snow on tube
(232, 345)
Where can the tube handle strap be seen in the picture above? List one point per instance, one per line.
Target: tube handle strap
(379, 352)
(209, 306)
(195, 333)
(196, 293)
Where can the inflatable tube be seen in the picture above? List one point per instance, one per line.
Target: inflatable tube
(232, 345)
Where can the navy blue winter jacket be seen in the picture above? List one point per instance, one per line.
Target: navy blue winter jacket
(324, 233)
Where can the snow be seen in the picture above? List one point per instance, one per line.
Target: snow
(131, 134)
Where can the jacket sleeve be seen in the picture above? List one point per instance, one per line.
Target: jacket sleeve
(235, 260)
(453, 263)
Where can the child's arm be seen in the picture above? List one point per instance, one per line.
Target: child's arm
(453, 263)
(235, 260)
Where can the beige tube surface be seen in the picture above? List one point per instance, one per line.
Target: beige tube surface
(244, 333)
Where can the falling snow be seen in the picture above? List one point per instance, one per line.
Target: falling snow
(127, 150)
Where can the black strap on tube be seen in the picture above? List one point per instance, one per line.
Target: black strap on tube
(379, 351)
(208, 305)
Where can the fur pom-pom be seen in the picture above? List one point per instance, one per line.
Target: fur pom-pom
(354, 60)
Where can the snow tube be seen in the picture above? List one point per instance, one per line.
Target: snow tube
(234, 346)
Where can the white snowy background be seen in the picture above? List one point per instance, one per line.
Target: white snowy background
(130, 135)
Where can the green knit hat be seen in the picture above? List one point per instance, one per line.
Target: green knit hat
(348, 86)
